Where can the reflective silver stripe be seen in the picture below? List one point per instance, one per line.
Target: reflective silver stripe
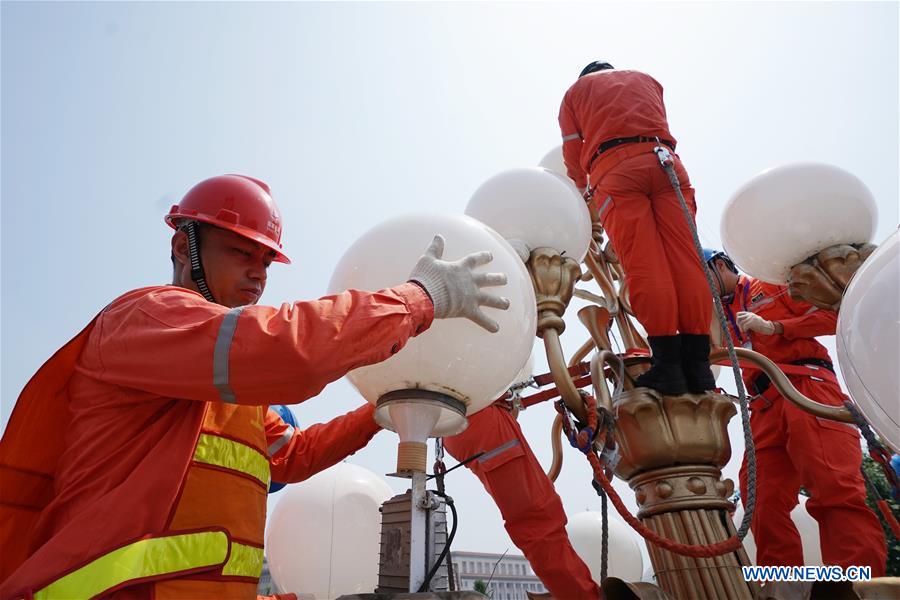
(754, 305)
(604, 205)
(498, 450)
(283, 439)
(220, 354)
(574, 136)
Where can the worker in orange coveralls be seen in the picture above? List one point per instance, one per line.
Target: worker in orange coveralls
(793, 447)
(532, 511)
(611, 121)
(154, 484)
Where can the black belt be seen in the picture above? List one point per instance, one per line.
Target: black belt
(635, 139)
(762, 382)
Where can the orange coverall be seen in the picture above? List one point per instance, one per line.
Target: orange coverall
(795, 448)
(166, 438)
(532, 511)
(634, 199)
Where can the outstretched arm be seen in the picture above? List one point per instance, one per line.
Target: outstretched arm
(295, 454)
(171, 342)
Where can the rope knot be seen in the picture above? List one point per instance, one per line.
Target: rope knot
(584, 439)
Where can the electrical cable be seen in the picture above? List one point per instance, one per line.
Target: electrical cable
(456, 466)
(446, 551)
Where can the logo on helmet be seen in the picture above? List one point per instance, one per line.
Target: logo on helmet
(274, 226)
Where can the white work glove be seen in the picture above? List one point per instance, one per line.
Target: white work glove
(455, 287)
(753, 322)
(521, 249)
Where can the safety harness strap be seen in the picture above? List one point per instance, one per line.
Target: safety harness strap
(803, 370)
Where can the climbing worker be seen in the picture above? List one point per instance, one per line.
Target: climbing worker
(532, 510)
(793, 447)
(153, 485)
(611, 122)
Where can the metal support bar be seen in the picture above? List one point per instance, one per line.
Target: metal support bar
(417, 532)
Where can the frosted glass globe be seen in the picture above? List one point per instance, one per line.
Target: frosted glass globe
(455, 357)
(786, 214)
(323, 536)
(868, 339)
(624, 560)
(537, 206)
(554, 161)
(526, 372)
(807, 527)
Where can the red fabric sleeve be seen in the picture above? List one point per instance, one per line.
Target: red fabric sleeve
(300, 454)
(809, 321)
(171, 342)
(572, 146)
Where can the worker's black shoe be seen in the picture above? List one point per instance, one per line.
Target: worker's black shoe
(665, 374)
(695, 363)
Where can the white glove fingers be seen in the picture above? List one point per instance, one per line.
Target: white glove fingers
(493, 301)
(483, 321)
(436, 248)
(489, 279)
(476, 259)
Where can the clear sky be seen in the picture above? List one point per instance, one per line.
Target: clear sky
(354, 113)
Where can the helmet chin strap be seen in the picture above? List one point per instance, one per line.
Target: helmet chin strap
(197, 275)
(720, 282)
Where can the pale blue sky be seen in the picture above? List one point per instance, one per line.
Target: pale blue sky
(357, 112)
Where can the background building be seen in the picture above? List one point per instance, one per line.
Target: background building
(266, 586)
(508, 576)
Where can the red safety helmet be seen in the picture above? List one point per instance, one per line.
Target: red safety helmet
(237, 203)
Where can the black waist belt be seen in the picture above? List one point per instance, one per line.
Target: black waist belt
(635, 139)
(762, 382)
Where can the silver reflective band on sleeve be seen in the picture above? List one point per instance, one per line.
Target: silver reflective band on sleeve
(221, 352)
(498, 450)
(574, 136)
(604, 205)
(283, 439)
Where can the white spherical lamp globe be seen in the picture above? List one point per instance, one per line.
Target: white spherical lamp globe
(786, 214)
(554, 161)
(537, 206)
(322, 538)
(868, 339)
(807, 527)
(526, 372)
(456, 367)
(624, 559)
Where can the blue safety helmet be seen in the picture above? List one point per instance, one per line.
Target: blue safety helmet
(288, 417)
(711, 254)
(597, 65)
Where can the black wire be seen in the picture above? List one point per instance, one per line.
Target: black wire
(456, 466)
(437, 565)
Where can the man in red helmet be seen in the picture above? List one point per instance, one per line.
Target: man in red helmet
(155, 483)
(611, 122)
(793, 447)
